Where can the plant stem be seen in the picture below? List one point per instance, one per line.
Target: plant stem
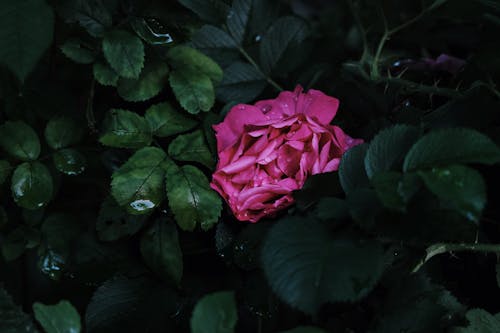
(89, 112)
(256, 66)
(441, 248)
(422, 88)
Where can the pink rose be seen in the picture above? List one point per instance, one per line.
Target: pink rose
(268, 150)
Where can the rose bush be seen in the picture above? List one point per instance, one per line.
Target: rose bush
(268, 150)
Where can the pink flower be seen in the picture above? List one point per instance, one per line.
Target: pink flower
(268, 150)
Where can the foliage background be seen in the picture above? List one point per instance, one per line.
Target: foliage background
(107, 222)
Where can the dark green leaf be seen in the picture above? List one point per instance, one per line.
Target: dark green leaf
(125, 129)
(386, 185)
(124, 52)
(352, 172)
(306, 267)
(237, 19)
(151, 81)
(480, 321)
(364, 206)
(19, 140)
(139, 183)
(62, 131)
(12, 318)
(92, 15)
(208, 10)
(284, 31)
(165, 121)
(114, 223)
(5, 169)
(194, 91)
(75, 50)
(151, 31)
(191, 198)
(461, 187)
(215, 313)
(104, 74)
(183, 56)
(69, 161)
(26, 31)
(210, 38)
(331, 208)
(161, 250)
(191, 147)
(241, 83)
(31, 185)
(388, 149)
(451, 146)
(58, 318)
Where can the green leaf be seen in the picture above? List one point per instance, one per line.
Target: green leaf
(451, 146)
(161, 250)
(480, 321)
(62, 131)
(352, 172)
(194, 91)
(284, 32)
(215, 313)
(26, 31)
(125, 129)
(75, 50)
(191, 198)
(138, 184)
(124, 52)
(31, 185)
(207, 10)
(460, 186)
(191, 147)
(150, 31)
(92, 15)
(151, 81)
(388, 149)
(104, 74)
(5, 169)
(386, 185)
(12, 318)
(305, 329)
(137, 304)
(164, 120)
(306, 267)
(58, 318)
(114, 223)
(237, 19)
(19, 140)
(210, 38)
(183, 56)
(69, 161)
(241, 83)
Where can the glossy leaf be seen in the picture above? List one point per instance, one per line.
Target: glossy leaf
(461, 187)
(241, 83)
(57, 318)
(125, 129)
(451, 146)
(191, 147)
(75, 50)
(69, 161)
(193, 90)
(104, 74)
(306, 267)
(215, 313)
(151, 81)
(31, 185)
(284, 32)
(124, 52)
(62, 131)
(19, 140)
(183, 56)
(388, 149)
(190, 197)
(161, 250)
(138, 185)
(23, 39)
(165, 121)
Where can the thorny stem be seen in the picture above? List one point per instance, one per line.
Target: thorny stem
(89, 112)
(257, 67)
(441, 248)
